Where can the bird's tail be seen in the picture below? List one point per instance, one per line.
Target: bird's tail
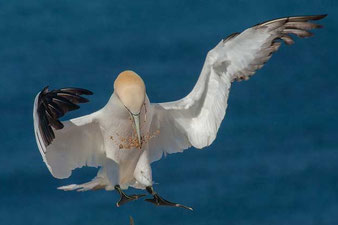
(96, 184)
(99, 182)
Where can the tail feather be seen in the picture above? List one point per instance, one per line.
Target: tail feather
(106, 178)
(96, 184)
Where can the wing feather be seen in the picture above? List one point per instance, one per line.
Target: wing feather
(194, 120)
(70, 144)
(51, 105)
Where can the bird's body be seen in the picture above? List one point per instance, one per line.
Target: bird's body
(121, 143)
(129, 132)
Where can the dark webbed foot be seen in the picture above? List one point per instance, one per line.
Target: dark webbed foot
(159, 201)
(124, 198)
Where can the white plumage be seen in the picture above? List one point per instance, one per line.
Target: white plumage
(106, 138)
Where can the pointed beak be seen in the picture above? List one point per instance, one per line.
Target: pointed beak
(136, 119)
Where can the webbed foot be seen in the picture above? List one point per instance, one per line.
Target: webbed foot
(124, 198)
(159, 201)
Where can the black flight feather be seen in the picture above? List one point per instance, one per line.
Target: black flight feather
(54, 104)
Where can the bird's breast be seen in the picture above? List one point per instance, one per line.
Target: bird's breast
(121, 133)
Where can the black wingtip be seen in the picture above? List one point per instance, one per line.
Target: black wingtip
(322, 16)
(78, 91)
(317, 17)
(89, 92)
(44, 90)
(54, 104)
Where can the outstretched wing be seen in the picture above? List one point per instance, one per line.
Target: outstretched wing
(195, 119)
(70, 144)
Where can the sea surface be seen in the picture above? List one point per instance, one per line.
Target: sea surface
(275, 159)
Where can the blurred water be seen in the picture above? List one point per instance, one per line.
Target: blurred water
(275, 158)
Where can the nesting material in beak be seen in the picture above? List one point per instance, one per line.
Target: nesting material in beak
(136, 119)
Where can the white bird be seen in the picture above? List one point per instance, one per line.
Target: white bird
(129, 133)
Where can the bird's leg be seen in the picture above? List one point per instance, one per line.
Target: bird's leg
(124, 198)
(159, 201)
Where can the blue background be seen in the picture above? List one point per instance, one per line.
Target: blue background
(274, 161)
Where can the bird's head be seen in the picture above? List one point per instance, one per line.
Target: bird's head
(130, 89)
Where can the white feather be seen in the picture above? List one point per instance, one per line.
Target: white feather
(195, 119)
(78, 144)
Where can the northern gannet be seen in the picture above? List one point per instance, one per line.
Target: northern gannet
(129, 133)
